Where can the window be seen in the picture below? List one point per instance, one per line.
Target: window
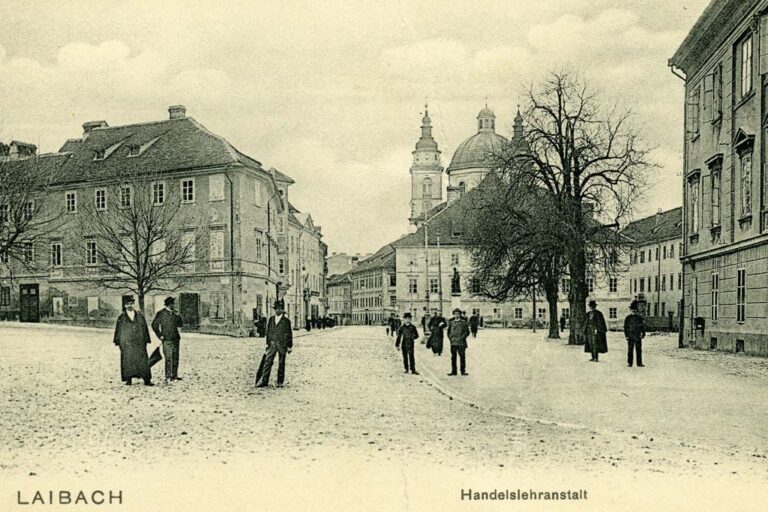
(29, 210)
(257, 192)
(91, 252)
(663, 308)
(4, 257)
(126, 196)
(518, 313)
(590, 282)
(433, 285)
(100, 199)
(657, 254)
(413, 285)
(5, 296)
(393, 300)
(280, 224)
(455, 258)
(433, 257)
(693, 201)
(642, 285)
(29, 252)
(656, 309)
(565, 312)
(715, 295)
(542, 313)
(694, 112)
(188, 190)
(217, 250)
(694, 296)
(427, 188)
(717, 79)
(746, 183)
(715, 196)
(671, 282)
(679, 281)
(258, 248)
(664, 252)
(71, 202)
(642, 257)
(158, 193)
(672, 251)
(56, 254)
(663, 283)
(392, 279)
(100, 154)
(613, 313)
(746, 66)
(216, 187)
(656, 283)
(134, 150)
(741, 295)
(281, 266)
(613, 285)
(565, 285)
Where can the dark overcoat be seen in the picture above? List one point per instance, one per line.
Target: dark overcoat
(280, 335)
(132, 336)
(436, 329)
(458, 331)
(166, 325)
(595, 331)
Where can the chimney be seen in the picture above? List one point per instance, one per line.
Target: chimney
(177, 111)
(90, 125)
(658, 216)
(18, 150)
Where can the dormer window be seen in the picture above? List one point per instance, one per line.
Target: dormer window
(100, 154)
(134, 150)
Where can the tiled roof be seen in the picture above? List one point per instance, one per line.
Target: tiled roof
(169, 145)
(656, 228)
(338, 279)
(383, 258)
(279, 176)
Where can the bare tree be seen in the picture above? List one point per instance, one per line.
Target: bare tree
(591, 158)
(139, 237)
(25, 218)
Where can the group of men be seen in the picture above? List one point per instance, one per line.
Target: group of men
(458, 330)
(595, 333)
(132, 336)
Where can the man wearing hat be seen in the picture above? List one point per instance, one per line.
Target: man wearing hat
(407, 334)
(166, 326)
(634, 331)
(458, 331)
(279, 342)
(595, 332)
(132, 336)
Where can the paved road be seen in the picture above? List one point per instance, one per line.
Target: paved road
(349, 432)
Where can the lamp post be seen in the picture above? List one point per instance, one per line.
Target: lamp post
(410, 288)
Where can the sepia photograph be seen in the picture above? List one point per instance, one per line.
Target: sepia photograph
(384, 255)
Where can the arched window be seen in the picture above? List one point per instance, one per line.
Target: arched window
(427, 187)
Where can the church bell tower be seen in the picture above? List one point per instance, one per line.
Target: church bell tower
(426, 174)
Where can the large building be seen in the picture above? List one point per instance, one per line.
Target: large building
(339, 291)
(724, 62)
(239, 264)
(373, 290)
(655, 272)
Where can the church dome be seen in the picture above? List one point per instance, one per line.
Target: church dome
(474, 152)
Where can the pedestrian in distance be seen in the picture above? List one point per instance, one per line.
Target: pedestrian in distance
(474, 320)
(280, 343)
(437, 327)
(594, 331)
(132, 336)
(562, 323)
(396, 323)
(166, 326)
(634, 331)
(458, 332)
(407, 335)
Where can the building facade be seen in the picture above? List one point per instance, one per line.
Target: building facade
(236, 204)
(339, 290)
(374, 285)
(724, 62)
(426, 173)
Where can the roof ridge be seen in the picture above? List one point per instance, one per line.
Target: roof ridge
(146, 123)
(232, 150)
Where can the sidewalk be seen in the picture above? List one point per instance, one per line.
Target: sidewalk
(521, 374)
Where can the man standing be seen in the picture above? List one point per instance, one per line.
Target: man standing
(132, 336)
(458, 331)
(166, 326)
(473, 323)
(407, 334)
(279, 341)
(595, 332)
(562, 323)
(634, 331)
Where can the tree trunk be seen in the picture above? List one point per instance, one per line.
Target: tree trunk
(141, 302)
(554, 326)
(578, 296)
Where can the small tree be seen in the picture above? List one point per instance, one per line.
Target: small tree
(24, 217)
(139, 237)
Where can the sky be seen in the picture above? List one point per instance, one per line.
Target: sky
(332, 93)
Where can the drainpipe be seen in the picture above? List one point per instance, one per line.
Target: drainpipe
(232, 241)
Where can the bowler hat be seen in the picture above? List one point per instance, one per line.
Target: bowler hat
(169, 301)
(633, 305)
(592, 304)
(129, 300)
(406, 315)
(457, 310)
(278, 304)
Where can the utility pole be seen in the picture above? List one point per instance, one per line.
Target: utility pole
(426, 263)
(534, 309)
(439, 278)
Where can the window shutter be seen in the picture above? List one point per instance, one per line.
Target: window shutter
(690, 106)
(709, 89)
(763, 45)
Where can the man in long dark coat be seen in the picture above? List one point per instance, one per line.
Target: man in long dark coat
(595, 332)
(634, 331)
(132, 336)
(166, 326)
(458, 331)
(407, 334)
(473, 323)
(436, 331)
(279, 342)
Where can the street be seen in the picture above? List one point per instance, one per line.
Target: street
(351, 425)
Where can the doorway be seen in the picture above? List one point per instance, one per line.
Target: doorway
(29, 303)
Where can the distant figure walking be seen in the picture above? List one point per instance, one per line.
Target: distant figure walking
(279, 342)
(458, 331)
(132, 336)
(474, 321)
(396, 323)
(562, 323)
(407, 334)
(166, 326)
(436, 334)
(634, 331)
(595, 332)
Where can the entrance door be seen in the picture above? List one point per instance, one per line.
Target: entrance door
(189, 309)
(29, 304)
